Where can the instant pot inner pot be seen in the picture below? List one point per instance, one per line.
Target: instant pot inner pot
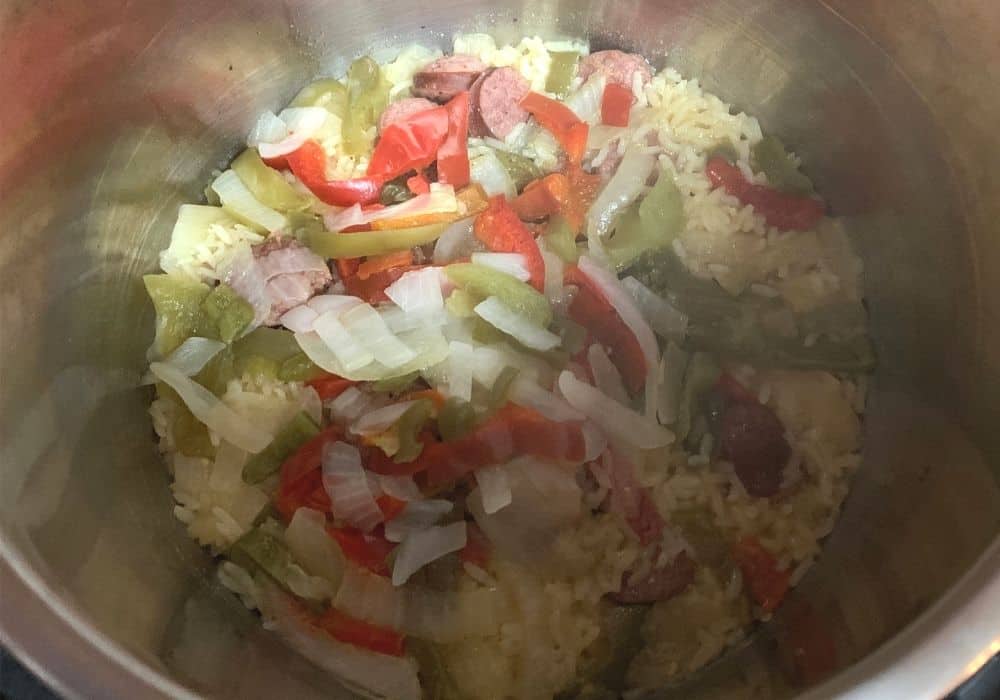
(114, 113)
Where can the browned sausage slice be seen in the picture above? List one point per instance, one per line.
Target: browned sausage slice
(617, 66)
(447, 76)
(398, 111)
(659, 584)
(753, 439)
(495, 104)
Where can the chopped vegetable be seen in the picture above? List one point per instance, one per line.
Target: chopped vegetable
(562, 68)
(356, 245)
(268, 461)
(502, 232)
(560, 121)
(770, 157)
(418, 291)
(298, 368)
(701, 375)
(308, 163)
(366, 325)
(512, 264)
(396, 384)
(651, 224)
(561, 240)
(456, 419)
(409, 427)
(382, 263)
(422, 547)
(622, 189)
(367, 96)
(177, 300)
(329, 93)
(313, 548)
(505, 319)
(500, 389)
(264, 551)
(520, 169)
(586, 100)
(766, 582)
(453, 155)
(618, 421)
(193, 354)
(517, 296)
(616, 104)
(372, 288)
(369, 550)
(344, 480)
(267, 184)
(786, 212)
(346, 629)
(329, 386)
(396, 191)
(411, 144)
(227, 311)
(486, 169)
(239, 201)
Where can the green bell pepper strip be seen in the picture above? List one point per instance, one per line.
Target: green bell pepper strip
(267, 184)
(260, 550)
(177, 301)
(483, 282)
(267, 462)
(355, 245)
(561, 72)
(227, 311)
(561, 240)
(770, 157)
(394, 385)
(367, 97)
(408, 430)
(328, 93)
(457, 418)
(299, 368)
(521, 169)
(651, 224)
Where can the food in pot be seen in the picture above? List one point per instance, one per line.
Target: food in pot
(518, 372)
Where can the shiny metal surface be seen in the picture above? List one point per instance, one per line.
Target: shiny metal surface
(116, 111)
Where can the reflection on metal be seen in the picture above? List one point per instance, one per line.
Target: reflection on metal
(113, 114)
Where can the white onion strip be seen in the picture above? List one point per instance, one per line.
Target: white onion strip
(617, 421)
(423, 547)
(497, 314)
(346, 483)
(494, 488)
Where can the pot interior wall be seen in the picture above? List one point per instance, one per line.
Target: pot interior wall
(117, 112)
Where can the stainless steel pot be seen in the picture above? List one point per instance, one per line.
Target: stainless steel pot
(114, 112)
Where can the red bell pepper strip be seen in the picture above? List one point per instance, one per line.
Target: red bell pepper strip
(359, 633)
(380, 263)
(512, 431)
(594, 312)
(453, 155)
(390, 506)
(308, 163)
(766, 582)
(368, 550)
(557, 118)
(503, 232)
(301, 483)
(552, 194)
(729, 387)
(786, 212)
(409, 144)
(347, 267)
(372, 288)
(616, 103)
(330, 386)
(418, 184)
(477, 549)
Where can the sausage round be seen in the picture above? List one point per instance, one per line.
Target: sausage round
(617, 66)
(495, 103)
(659, 584)
(753, 439)
(444, 78)
(398, 111)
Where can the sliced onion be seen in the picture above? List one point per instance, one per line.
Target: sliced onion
(239, 200)
(313, 548)
(461, 360)
(600, 135)
(350, 404)
(339, 303)
(423, 547)
(373, 674)
(301, 124)
(344, 480)
(606, 376)
(622, 189)
(207, 408)
(364, 323)
(240, 271)
(427, 343)
(486, 169)
(525, 392)
(617, 421)
(350, 353)
(300, 319)
(268, 129)
(554, 269)
(494, 488)
(585, 101)
(417, 291)
(497, 314)
(417, 515)
(456, 242)
(193, 354)
(487, 365)
(381, 419)
(400, 487)
(399, 321)
(593, 440)
(512, 264)
(666, 320)
(439, 200)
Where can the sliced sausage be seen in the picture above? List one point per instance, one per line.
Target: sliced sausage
(753, 439)
(659, 583)
(398, 111)
(292, 274)
(632, 501)
(616, 66)
(447, 76)
(495, 106)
